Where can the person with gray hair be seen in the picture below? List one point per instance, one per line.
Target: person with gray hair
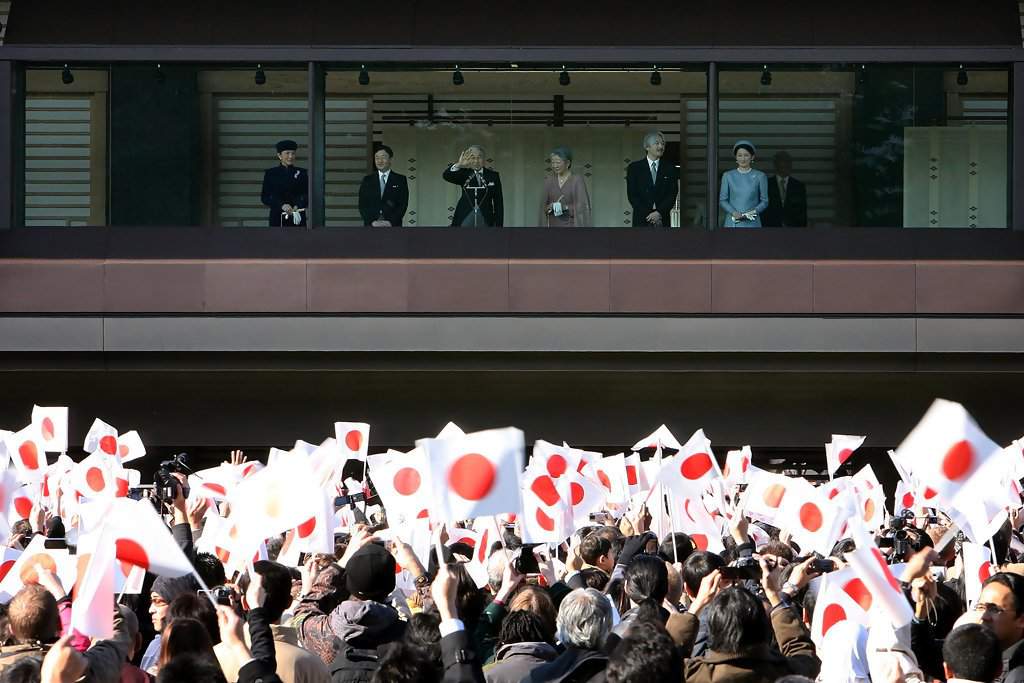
(566, 203)
(652, 184)
(583, 624)
(481, 203)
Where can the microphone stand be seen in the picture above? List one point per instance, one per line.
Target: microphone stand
(475, 189)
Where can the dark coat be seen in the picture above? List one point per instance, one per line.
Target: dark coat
(285, 185)
(645, 196)
(791, 215)
(389, 207)
(492, 205)
(514, 662)
(575, 664)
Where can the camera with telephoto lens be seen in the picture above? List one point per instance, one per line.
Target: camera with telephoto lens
(166, 489)
(896, 536)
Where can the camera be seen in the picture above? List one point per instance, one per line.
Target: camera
(896, 536)
(166, 489)
(349, 500)
(525, 562)
(747, 569)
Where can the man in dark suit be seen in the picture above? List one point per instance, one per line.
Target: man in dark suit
(481, 203)
(652, 186)
(286, 188)
(384, 195)
(787, 197)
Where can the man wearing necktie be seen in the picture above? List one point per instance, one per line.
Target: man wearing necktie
(651, 184)
(787, 196)
(384, 194)
(481, 203)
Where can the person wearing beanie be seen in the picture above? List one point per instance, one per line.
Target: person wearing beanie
(351, 637)
(164, 590)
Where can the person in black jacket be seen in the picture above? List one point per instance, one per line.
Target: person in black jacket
(652, 186)
(384, 194)
(481, 203)
(787, 196)
(286, 188)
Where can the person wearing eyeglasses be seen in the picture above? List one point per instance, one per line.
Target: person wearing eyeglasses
(1001, 604)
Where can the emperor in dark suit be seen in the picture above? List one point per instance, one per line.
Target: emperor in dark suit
(652, 186)
(286, 187)
(787, 196)
(480, 184)
(384, 194)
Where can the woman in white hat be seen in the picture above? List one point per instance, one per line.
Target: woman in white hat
(744, 193)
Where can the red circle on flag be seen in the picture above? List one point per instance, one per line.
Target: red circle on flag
(545, 490)
(216, 488)
(23, 506)
(869, 510)
(810, 516)
(94, 478)
(6, 567)
(686, 509)
(307, 527)
(123, 450)
(695, 466)
(856, 589)
(605, 481)
(472, 476)
(700, 541)
(773, 495)
(423, 514)
(577, 493)
(984, 571)
(833, 493)
(131, 552)
(833, 615)
(930, 493)
(354, 440)
(631, 475)
(407, 481)
(908, 500)
(47, 428)
(844, 455)
(556, 465)
(958, 461)
(108, 445)
(884, 568)
(544, 521)
(29, 455)
(122, 488)
(746, 464)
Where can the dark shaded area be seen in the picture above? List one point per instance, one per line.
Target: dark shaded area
(154, 146)
(595, 22)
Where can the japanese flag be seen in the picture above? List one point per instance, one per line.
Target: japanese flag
(23, 571)
(129, 446)
(26, 450)
(8, 556)
(274, 500)
(946, 448)
(904, 499)
(884, 590)
(101, 437)
(216, 482)
(813, 518)
(556, 460)
(636, 475)
(353, 439)
(477, 474)
(53, 425)
(977, 568)
(765, 495)
(737, 464)
(316, 534)
(97, 476)
(839, 450)
(692, 517)
(141, 539)
(586, 496)
(450, 430)
(842, 597)
(402, 482)
(92, 612)
(545, 517)
(611, 473)
(870, 497)
(22, 501)
(691, 468)
(659, 437)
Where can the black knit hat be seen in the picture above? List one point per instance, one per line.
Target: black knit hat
(287, 145)
(370, 573)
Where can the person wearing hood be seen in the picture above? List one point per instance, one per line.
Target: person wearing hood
(164, 590)
(351, 637)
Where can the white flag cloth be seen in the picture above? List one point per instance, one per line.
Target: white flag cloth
(92, 612)
(316, 534)
(842, 596)
(692, 517)
(53, 425)
(274, 500)
(870, 497)
(691, 468)
(23, 571)
(839, 450)
(636, 475)
(450, 430)
(215, 482)
(97, 476)
(25, 449)
(886, 594)
(737, 464)
(129, 446)
(946, 449)
(403, 484)
(141, 539)
(977, 568)
(659, 437)
(813, 518)
(611, 473)
(353, 439)
(545, 517)
(557, 460)
(477, 474)
(101, 437)
(764, 496)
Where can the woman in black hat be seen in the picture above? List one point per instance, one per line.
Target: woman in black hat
(285, 188)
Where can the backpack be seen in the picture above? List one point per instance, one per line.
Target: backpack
(352, 665)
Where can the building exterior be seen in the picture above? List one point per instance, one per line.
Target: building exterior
(140, 283)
